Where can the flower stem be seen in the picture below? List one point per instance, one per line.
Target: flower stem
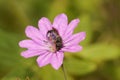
(63, 69)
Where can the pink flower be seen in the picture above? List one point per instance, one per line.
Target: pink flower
(50, 41)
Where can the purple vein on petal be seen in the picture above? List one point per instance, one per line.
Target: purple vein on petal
(76, 38)
(32, 53)
(44, 59)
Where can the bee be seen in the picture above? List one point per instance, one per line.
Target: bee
(55, 39)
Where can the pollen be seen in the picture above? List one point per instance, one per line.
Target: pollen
(52, 49)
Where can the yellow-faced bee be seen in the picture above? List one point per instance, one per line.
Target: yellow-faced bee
(55, 39)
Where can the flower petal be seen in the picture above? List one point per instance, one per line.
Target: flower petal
(31, 53)
(33, 33)
(32, 45)
(44, 25)
(60, 23)
(74, 48)
(75, 39)
(44, 59)
(57, 60)
(73, 24)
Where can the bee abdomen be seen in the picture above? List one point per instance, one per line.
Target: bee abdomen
(59, 43)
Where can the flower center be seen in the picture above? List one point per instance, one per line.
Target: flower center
(55, 40)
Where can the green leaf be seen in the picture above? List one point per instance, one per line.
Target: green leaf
(9, 56)
(35, 73)
(111, 70)
(86, 26)
(16, 20)
(100, 52)
(56, 8)
(21, 72)
(49, 73)
(86, 5)
(79, 67)
(117, 73)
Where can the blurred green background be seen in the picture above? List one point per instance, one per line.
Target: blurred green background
(100, 57)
